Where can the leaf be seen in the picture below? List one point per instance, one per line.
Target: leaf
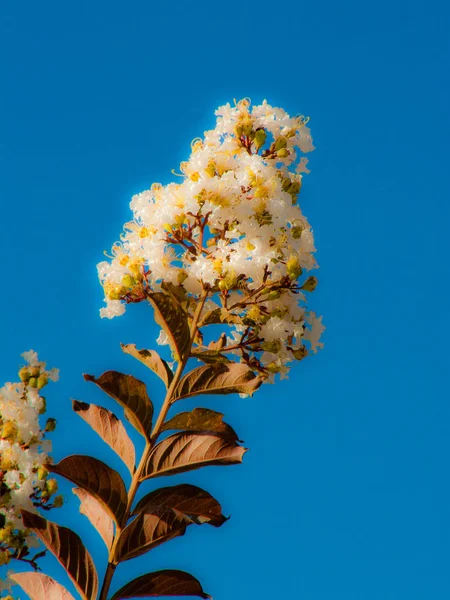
(210, 357)
(220, 315)
(39, 586)
(218, 379)
(161, 583)
(201, 419)
(173, 319)
(186, 451)
(148, 530)
(99, 480)
(219, 344)
(109, 428)
(94, 511)
(188, 499)
(130, 393)
(152, 360)
(68, 548)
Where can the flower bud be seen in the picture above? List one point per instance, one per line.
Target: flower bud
(58, 501)
(274, 295)
(260, 138)
(51, 486)
(293, 267)
(42, 381)
(42, 473)
(128, 281)
(310, 284)
(300, 353)
(283, 153)
(297, 232)
(44, 405)
(32, 382)
(50, 425)
(24, 374)
(280, 143)
(274, 346)
(9, 429)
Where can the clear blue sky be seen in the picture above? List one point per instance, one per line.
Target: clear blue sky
(345, 493)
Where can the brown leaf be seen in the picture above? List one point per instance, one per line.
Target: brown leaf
(218, 379)
(69, 550)
(192, 501)
(152, 360)
(220, 315)
(173, 319)
(39, 586)
(219, 344)
(109, 428)
(201, 419)
(188, 451)
(97, 515)
(99, 480)
(132, 395)
(161, 583)
(210, 356)
(148, 530)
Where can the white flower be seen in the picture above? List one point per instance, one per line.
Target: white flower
(232, 223)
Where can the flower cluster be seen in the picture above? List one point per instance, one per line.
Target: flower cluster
(24, 481)
(231, 229)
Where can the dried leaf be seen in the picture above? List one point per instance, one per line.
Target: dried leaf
(99, 480)
(201, 419)
(161, 583)
(130, 393)
(68, 548)
(173, 319)
(39, 586)
(192, 501)
(109, 428)
(218, 379)
(97, 515)
(152, 360)
(148, 530)
(188, 451)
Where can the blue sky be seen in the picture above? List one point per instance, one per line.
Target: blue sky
(345, 493)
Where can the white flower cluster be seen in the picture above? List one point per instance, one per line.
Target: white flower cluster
(232, 228)
(23, 453)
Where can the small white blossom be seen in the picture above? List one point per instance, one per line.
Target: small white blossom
(232, 225)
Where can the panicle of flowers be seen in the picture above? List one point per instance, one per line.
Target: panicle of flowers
(24, 481)
(232, 228)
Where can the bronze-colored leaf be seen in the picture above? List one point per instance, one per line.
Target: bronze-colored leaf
(220, 315)
(130, 393)
(152, 360)
(148, 530)
(219, 344)
(201, 419)
(210, 357)
(39, 586)
(99, 480)
(188, 451)
(192, 501)
(161, 583)
(68, 548)
(173, 319)
(109, 428)
(97, 515)
(218, 379)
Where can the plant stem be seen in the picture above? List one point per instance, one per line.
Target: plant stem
(135, 482)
